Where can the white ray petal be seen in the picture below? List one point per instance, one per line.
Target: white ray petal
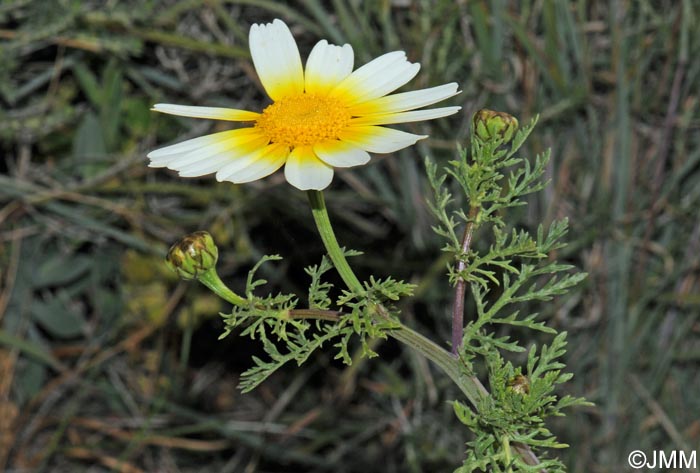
(185, 146)
(276, 59)
(209, 153)
(214, 113)
(202, 168)
(341, 154)
(405, 117)
(235, 152)
(305, 171)
(406, 100)
(235, 146)
(377, 139)
(254, 166)
(327, 66)
(376, 78)
(269, 160)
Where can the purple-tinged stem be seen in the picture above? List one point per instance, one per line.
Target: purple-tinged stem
(460, 287)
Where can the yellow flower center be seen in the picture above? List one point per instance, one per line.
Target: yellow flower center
(303, 119)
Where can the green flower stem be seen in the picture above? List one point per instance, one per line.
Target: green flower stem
(212, 280)
(323, 223)
(506, 449)
(470, 385)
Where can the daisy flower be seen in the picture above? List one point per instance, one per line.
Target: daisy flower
(322, 116)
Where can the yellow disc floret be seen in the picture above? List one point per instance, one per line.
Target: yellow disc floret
(303, 119)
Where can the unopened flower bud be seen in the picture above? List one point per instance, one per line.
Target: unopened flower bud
(489, 125)
(193, 255)
(519, 384)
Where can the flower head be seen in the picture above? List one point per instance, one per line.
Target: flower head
(519, 384)
(323, 116)
(193, 255)
(489, 125)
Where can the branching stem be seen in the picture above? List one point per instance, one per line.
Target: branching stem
(449, 364)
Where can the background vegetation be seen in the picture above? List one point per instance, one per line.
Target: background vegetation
(108, 363)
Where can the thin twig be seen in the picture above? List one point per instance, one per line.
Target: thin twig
(659, 413)
(317, 314)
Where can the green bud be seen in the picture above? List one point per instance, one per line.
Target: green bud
(193, 255)
(519, 384)
(489, 125)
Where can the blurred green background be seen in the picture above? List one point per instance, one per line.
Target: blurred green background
(108, 363)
